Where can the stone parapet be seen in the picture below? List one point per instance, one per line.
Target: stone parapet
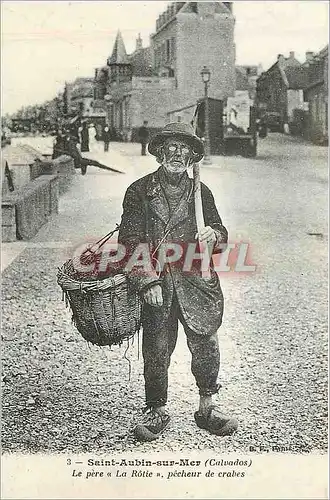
(25, 211)
(62, 166)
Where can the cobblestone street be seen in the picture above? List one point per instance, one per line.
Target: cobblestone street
(61, 394)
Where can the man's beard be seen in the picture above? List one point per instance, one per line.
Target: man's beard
(173, 177)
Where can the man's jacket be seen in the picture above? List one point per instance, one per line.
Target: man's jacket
(146, 219)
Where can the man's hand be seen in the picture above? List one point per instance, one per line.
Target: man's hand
(206, 235)
(154, 296)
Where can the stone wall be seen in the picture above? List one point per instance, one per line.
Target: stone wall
(62, 166)
(207, 42)
(25, 211)
(150, 104)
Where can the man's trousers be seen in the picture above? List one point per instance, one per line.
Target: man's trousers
(159, 340)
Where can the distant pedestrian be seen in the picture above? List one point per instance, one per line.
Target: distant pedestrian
(59, 144)
(262, 127)
(91, 132)
(84, 134)
(73, 130)
(106, 137)
(144, 137)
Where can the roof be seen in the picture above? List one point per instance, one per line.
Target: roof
(317, 69)
(200, 8)
(119, 55)
(212, 7)
(324, 52)
(141, 62)
(102, 74)
(292, 71)
(296, 77)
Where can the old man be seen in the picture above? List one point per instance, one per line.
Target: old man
(159, 210)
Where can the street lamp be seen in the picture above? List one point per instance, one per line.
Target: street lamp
(107, 99)
(206, 75)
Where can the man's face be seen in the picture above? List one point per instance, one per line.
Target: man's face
(176, 156)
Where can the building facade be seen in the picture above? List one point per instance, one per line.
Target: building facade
(158, 80)
(316, 95)
(280, 88)
(192, 35)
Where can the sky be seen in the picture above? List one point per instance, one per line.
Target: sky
(44, 44)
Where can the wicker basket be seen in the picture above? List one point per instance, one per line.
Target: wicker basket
(106, 311)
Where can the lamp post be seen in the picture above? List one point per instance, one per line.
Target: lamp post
(107, 99)
(206, 74)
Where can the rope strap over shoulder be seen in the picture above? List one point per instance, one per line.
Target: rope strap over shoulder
(99, 244)
(88, 255)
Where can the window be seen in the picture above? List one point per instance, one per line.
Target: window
(172, 48)
(158, 56)
(168, 50)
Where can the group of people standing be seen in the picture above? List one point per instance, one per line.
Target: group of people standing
(106, 136)
(143, 136)
(80, 133)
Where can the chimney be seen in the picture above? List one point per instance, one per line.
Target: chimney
(172, 9)
(309, 56)
(281, 59)
(291, 55)
(179, 5)
(229, 6)
(139, 43)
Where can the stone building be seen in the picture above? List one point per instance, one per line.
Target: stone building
(159, 80)
(316, 95)
(280, 88)
(192, 35)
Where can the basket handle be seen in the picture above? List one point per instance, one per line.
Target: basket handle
(95, 247)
